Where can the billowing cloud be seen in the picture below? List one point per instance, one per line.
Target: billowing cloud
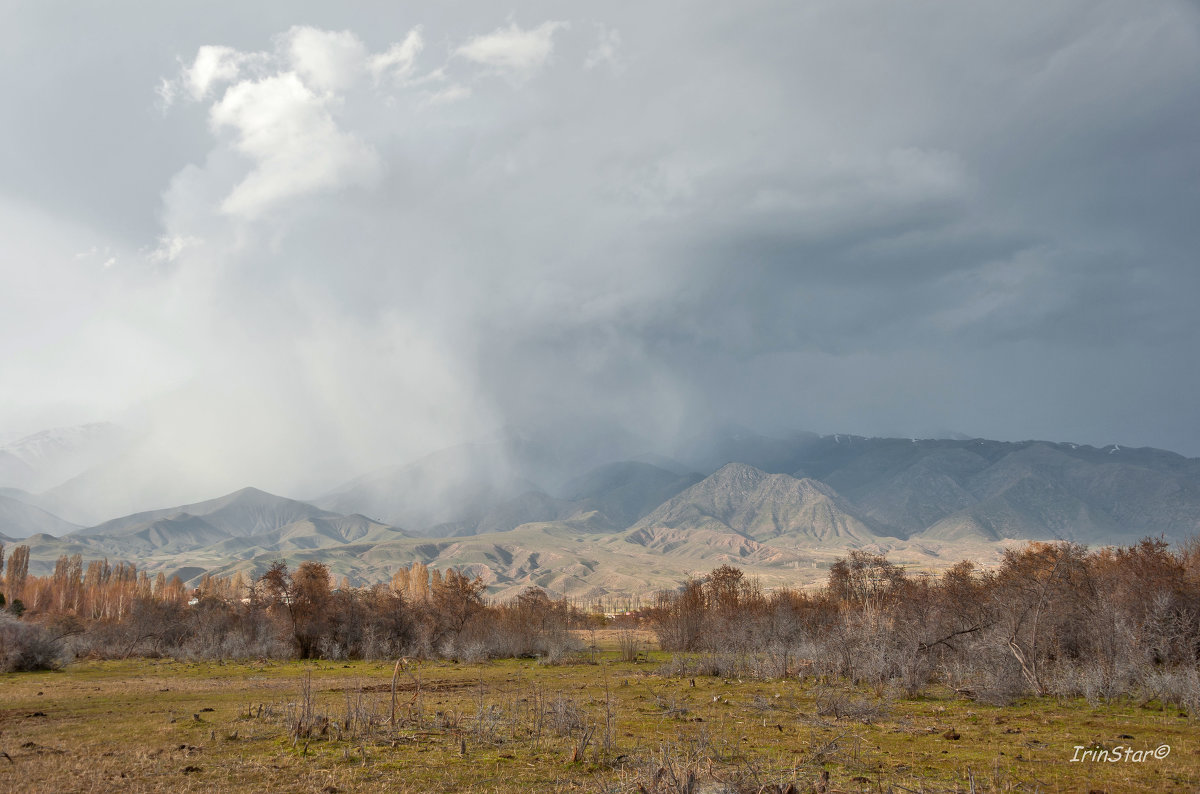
(213, 64)
(293, 141)
(346, 243)
(326, 60)
(281, 114)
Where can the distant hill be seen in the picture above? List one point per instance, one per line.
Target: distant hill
(247, 521)
(239, 514)
(764, 507)
(19, 520)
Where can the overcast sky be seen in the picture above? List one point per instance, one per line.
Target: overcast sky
(311, 238)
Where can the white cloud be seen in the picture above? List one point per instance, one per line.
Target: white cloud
(283, 110)
(296, 145)
(326, 60)
(512, 49)
(398, 62)
(213, 64)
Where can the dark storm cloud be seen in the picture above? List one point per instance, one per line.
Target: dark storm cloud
(399, 227)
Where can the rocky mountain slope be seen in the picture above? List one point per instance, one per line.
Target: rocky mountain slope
(741, 499)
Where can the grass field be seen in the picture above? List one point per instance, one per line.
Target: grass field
(593, 724)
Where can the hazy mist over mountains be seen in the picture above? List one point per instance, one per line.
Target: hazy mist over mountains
(437, 266)
(526, 508)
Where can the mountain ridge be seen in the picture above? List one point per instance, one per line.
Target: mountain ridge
(928, 502)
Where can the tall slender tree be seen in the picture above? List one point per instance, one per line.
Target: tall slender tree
(18, 572)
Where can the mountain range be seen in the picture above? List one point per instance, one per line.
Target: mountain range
(781, 508)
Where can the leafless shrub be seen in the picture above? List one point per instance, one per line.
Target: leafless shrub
(467, 651)
(995, 678)
(556, 647)
(329, 648)
(629, 646)
(671, 768)
(565, 716)
(695, 764)
(449, 720)
(25, 647)
(759, 666)
(610, 719)
(302, 714)
(838, 704)
(722, 665)
(490, 723)
(1179, 687)
(1095, 679)
(680, 666)
(363, 715)
(671, 706)
(583, 738)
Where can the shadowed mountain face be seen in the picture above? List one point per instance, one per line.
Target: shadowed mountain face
(983, 489)
(927, 502)
(622, 493)
(993, 490)
(18, 520)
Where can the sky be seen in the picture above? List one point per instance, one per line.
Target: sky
(296, 244)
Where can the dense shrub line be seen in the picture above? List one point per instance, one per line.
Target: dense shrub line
(1052, 619)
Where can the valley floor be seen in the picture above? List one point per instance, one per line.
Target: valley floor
(593, 723)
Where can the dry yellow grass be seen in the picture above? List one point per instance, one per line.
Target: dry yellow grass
(517, 726)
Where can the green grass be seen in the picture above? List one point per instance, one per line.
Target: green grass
(150, 725)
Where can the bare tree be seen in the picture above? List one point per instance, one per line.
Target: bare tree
(1036, 586)
(18, 572)
(864, 579)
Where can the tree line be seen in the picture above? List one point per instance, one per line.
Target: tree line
(103, 610)
(1052, 618)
